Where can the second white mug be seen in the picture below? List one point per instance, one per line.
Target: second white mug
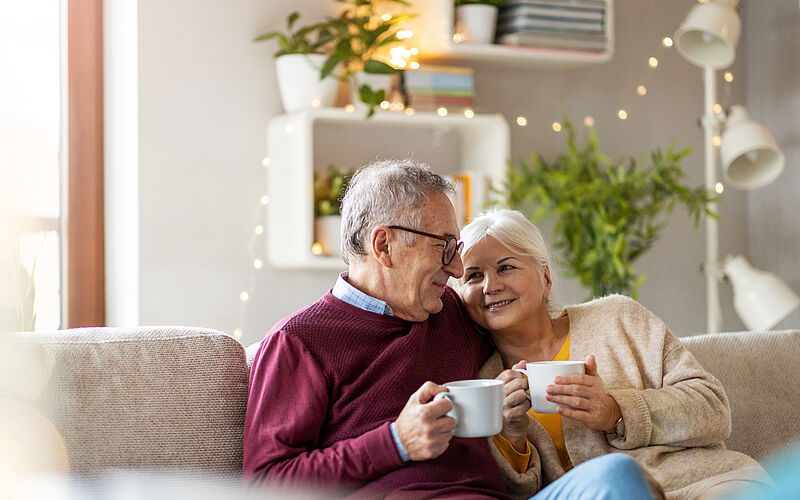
(541, 374)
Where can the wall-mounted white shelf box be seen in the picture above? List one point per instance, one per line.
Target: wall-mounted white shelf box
(433, 35)
(301, 143)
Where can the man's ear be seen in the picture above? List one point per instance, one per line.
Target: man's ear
(380, 240)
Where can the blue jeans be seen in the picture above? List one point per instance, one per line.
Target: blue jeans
(607, 477)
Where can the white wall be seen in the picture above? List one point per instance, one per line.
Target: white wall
(206, 93)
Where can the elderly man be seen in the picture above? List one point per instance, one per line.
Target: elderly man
(341, 392)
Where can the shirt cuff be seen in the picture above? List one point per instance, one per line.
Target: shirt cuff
(399, 444)
(518, 461)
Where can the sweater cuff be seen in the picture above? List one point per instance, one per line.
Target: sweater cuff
(518, 461)
(636, 417)
(378, 446)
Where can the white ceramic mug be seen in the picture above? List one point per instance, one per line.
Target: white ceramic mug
(477, 406)
(541, 374)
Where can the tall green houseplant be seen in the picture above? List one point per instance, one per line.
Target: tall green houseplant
(607, 214)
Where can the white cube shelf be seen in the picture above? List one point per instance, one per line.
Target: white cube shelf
(480, 144)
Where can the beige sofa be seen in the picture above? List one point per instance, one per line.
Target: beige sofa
(172, 397)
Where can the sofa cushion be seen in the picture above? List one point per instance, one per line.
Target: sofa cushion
(760, 372)
(146, 396)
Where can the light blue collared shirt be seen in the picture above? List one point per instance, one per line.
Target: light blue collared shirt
(346, 292)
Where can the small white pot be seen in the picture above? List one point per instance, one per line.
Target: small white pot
(327, 232)
(375, 81)
(299, 83)
(476, 22)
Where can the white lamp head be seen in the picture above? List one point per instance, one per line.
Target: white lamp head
(750, 157)
(761, 299)
(709, 34)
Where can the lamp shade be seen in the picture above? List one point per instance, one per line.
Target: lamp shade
(709, 34)
(750, 157)
(761, 299)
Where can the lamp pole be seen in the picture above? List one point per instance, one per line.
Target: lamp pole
(711, 266)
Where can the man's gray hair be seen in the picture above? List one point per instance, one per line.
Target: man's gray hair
(387, 192)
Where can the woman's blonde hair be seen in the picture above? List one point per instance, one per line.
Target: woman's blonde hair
(514, 231)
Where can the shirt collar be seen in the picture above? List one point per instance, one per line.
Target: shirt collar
(346, 292)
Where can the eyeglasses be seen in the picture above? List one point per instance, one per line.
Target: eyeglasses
(451, 244)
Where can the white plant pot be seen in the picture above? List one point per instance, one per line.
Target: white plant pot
(375, 81)
(327, 232)
(299, 83)
(476, 22)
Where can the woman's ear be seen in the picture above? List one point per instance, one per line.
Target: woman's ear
(548, 283)
(380, 245)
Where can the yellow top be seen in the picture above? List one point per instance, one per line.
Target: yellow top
(550, 422)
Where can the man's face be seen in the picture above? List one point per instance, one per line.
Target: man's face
(418, 275)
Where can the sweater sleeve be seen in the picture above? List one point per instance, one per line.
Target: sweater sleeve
(286, 410)
(689, 408)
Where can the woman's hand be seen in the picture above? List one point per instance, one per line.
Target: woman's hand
(515, 407)
(585, 394)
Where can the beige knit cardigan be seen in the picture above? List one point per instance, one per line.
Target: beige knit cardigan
(676, 414)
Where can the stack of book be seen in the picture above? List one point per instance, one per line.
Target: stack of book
(432, 87)
(560, 24)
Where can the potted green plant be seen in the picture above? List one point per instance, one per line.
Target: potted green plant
(476, 20)
(607, 214)
(298, 62)
(328, 192)
(359, 33)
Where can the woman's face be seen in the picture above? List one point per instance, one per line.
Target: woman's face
(503, 290)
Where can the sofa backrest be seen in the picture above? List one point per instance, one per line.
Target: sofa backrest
(761, 374)
(145, 397)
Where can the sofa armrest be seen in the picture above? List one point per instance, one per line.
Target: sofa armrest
(760, 372)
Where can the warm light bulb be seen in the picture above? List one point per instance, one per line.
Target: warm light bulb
(522, 121)
(259, 229)
(409, 111)
(266, 162)
(588, 121)
(349, 108)
(641, 90)
(258, 264)
(237, 334)
(717, 108)
(469, 113)
(458, 38)
(716, 140)
(414, 51)
(386, 17)
(719, 188)
(316, 249)
(315, 103)
(623, 115)
(414, 65)
(556, 127)
(441, 111)
(667, 41)
(384, 105)
(244, 296)
(264, 199)
(653, 62)
(728, 76)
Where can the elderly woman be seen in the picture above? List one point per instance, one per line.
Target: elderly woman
(643, 393)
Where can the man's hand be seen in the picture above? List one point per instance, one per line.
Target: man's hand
(423, 426)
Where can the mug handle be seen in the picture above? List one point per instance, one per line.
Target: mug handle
(447, 396)
(525, 372)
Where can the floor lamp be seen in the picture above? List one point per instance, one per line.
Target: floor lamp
(750, 159)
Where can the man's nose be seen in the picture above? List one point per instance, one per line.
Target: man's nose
(456, 267)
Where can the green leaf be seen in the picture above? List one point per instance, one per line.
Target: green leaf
(329, 65)
(377, 67)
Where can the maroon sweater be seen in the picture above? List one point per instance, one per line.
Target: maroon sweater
(326, 383)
